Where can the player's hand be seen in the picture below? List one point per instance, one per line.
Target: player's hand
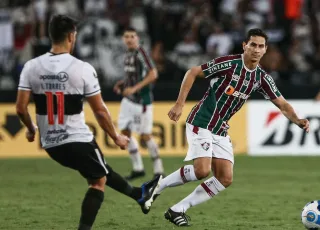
(122, 141)
(175, 112)
(304, 124)
(30, 135)
(117, 87)
(128, 91)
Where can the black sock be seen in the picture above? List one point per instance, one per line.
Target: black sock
(118, 183)
(90, 207)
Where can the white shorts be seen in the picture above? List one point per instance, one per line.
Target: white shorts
(135, 117)
(203, 143)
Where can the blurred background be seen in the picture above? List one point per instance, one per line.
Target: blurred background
(178, 34)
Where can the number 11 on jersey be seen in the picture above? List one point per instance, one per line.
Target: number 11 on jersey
(59, 107)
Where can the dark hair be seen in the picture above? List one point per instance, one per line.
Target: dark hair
(60, 26)
(256, 32)
(129, 29)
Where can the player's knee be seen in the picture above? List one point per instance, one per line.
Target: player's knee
(226, 181)
(201, 173)
(98, 183)
(145, 137)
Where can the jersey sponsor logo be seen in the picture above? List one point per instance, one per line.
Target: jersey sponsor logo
(229, 90)
(130, 69)
(232, 92)
(62, 77)
(272, 83)
(235, 77)
(219, 67)
(57, 139)
(56, 131)
(210, 63)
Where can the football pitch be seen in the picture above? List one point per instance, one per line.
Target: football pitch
(267, 193)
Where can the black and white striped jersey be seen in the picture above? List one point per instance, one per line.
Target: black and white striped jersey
(59, 83)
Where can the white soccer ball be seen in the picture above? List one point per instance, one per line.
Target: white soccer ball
(310, 215)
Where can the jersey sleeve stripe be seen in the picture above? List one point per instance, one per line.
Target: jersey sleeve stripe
(93, 93)
(145, 57)
(269, 90)
(24, 88)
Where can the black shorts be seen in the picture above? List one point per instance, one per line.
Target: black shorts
(84, 157)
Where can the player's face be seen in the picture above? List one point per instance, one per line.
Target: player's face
(131, 39)
(255, 48)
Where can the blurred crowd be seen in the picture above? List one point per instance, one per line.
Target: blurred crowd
(178, 33)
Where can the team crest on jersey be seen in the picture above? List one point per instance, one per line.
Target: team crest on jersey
(205, 146)
(255, 85)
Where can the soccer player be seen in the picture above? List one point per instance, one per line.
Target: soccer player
(59, 82)
(136, 113)
(232, 80)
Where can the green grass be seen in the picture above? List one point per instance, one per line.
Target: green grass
(267, 193)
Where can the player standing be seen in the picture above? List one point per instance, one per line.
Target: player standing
(59, 82)
(232, 80)
(136, 112)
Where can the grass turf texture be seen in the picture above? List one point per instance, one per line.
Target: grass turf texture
(267, 193)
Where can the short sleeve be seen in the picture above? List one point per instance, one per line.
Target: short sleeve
(217, 65)
(91, 82)
(24, 82)
(268, 88)
(145, 59)
(207, 68)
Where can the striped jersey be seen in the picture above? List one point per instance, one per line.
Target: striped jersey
(59, 83)
(137, 64)
(231, 84)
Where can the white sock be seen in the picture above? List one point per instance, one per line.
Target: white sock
(154, 153)
(135, 156)
(179, 177)
(202, 193)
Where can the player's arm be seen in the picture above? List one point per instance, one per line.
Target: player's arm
(104, 119)
(187, 82)
(23, 98)
(102, 115)
(22, 110)
(92, 93)
(288, 111)
(270, 91)
(117, 86)
(151, 76)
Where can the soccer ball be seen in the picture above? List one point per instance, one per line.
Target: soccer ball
(310, 215)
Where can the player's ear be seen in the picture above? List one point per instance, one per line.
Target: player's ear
(70, 35)
(244, 46)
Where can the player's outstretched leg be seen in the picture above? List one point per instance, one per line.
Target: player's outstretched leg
(137, 163)
(154, 154)
(92, 203)
(223, 170)
(144, 195)
(200, 169)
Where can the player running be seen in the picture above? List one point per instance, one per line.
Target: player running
(136, 112)
(59, 82)
(232, 80)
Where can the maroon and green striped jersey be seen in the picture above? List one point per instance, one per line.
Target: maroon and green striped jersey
(231, 84)
(137, 64)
